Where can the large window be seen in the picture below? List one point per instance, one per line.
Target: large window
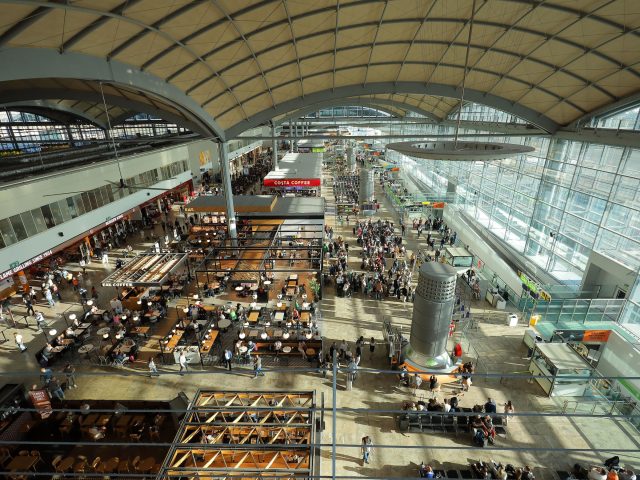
(25, 225)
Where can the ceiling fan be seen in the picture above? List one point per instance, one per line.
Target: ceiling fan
(121, 184)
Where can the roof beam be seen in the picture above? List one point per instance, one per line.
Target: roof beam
(47, 105)
(373, 44)
(20, 26)
(154, 26)
(378, 103)
(43, 63)
(119, 10)
(295, 45)
(440, 90)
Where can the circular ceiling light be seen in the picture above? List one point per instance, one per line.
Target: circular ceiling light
(460, 151)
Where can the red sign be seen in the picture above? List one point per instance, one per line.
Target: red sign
(291, 182)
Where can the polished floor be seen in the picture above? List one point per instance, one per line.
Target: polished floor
(532, 439)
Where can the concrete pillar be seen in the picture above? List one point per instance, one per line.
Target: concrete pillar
(228, 192)
(274, 147)
(351, 159)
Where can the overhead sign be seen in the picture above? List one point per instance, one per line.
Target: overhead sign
(24, 265)
(532, 287)
(291, 182)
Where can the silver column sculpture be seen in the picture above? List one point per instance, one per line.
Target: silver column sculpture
(432, 312)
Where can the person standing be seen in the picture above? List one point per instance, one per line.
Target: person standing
(508, 411)
(366, 449)
(40, 322)
(153, 370)
(433, 384)
(228, 356)
(49, 297)
(29, 304)
(257, 367)
(70, 372)
(20, 341)
(182, 360)
(372, 347)
(417, 381)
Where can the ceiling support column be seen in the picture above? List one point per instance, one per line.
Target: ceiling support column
(274, 147)
(223, 149)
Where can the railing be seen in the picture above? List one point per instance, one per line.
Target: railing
(603, 406)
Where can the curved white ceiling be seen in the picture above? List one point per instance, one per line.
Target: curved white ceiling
(241, 60)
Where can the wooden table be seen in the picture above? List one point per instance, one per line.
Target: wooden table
(286, 349)
(87, 348)
(140, 331)
(103, 420)
(310, 352)
(110, 465)
(291, 291)
(173, 342)
(253, 316)
(224, 323)
(208, 343)
(22, 463)
(292, 283)
(89, 420)
(66, 464)
(122, 424)
(305, 316)
(279, 316)
(146, 465)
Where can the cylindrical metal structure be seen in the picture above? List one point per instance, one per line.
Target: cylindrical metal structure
(351, 159)
(365, 194)
(432, 313)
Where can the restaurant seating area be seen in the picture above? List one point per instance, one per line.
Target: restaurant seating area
(89, 436)
(281, 423)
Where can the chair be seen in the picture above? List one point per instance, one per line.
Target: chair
(123, 466)
(103, 361)
(120, 363)
(136, 463)
(448, 423)
(23, 453)
(96, 463)
(56, 461)
(135, 437)
(36, 453)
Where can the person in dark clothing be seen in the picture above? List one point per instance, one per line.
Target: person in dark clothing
(490, 406)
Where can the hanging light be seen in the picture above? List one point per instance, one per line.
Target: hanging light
(456, 150)
(123, 317)
(53, 332)
(195, 297)
(241, 335)
(89, 302)
(263, 335)
(309, 335)
(72, 317)
(105, 336)
(285, 335)
(185, 309)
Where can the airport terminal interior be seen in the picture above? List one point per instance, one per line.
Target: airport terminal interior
(339, 239)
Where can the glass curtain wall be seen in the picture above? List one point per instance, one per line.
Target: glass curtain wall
(555, 205)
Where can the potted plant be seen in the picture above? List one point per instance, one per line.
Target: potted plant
(314, 285)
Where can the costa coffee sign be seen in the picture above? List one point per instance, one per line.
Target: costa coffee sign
(291, 182)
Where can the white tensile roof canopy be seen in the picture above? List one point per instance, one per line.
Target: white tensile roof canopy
(236, 64)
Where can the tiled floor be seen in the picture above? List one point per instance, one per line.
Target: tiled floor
(533, 439)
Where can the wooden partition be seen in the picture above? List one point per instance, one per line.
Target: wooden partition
(245, 434)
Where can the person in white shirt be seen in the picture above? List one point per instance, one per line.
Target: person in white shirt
(182, 360)
(20, 342)
(447, 406)
(40, 319)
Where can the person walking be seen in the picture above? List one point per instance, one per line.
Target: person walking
(182, 360)
(153, 370)
(40, 321)
(372, 347)
(257, 367)
(366, 449)
(70, 372)
(55, 389)
(508, 411)
(20, 341)
(228, 355)
(29, 304)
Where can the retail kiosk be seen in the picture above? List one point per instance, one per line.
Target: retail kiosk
(298, 174)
